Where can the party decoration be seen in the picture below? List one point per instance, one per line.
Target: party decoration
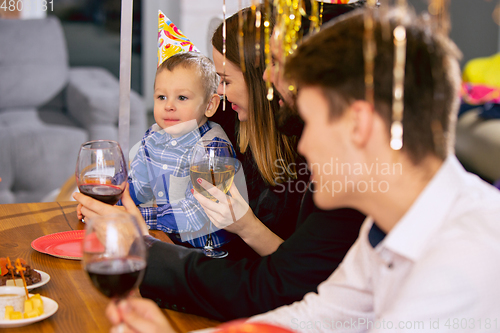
(241, 22)
(224, 54)
(267, 47)
(258, 17)
(369, 50)
(171, 40)
(399, 34)
(398, 87)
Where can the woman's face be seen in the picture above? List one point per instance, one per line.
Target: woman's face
(236, 88)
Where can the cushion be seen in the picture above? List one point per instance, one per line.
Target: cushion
(37, 153)
(92, 96)
(478, 144)
(33, 62)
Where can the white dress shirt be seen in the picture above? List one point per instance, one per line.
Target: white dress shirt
(438, 269)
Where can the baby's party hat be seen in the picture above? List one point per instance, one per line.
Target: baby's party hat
(170, 39)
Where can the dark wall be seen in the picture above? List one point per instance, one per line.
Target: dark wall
(472, 26)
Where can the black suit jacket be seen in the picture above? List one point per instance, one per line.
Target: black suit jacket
(185, 280)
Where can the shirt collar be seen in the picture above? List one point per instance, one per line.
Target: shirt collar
(188, 139)
(411, 234)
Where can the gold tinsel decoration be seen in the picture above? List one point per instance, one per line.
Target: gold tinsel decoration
(288, 23)
(258, 19)
(241, 22)
(369, 50)
(267, 48)
(399, 34)
(224, 54)
(315, 16)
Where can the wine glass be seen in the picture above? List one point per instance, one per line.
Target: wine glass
(101, 171)
(214, 161)
(114, 254)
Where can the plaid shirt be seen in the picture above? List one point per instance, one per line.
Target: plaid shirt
(160, 171)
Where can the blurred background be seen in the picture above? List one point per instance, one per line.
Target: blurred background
(91, 30)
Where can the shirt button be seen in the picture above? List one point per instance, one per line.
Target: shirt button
(160, 194)
(165, 167)
(174, 143)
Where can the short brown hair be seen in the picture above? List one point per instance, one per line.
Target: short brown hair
(204, 66)
(333, 61)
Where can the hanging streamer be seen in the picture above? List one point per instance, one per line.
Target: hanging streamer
(315, 17)
(288, 23)
(267, 48)
(224, 55)
(399, 34)
(321, 14)
(258, 18)
(369, 50)
(241, 22)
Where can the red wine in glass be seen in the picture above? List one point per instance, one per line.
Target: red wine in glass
(101, 172)
(109, 194)
(114, 254)
(115, 278)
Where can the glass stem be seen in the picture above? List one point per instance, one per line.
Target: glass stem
(209, 245)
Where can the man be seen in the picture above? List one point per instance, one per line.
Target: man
(427, 255)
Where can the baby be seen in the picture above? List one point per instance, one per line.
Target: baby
(185, 96)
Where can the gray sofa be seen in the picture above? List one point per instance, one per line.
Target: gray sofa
(47, 110)
(478, 144)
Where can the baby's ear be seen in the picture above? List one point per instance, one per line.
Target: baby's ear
(213, 104)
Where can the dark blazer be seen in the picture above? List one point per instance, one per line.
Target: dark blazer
(185, 280)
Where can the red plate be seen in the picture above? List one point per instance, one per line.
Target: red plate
(67, 245)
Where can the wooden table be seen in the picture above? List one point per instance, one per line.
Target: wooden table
(81, 306)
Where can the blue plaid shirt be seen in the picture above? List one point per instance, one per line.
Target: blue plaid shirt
(160, 170)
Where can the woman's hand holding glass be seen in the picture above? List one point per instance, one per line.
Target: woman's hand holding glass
(220, 212)
(233, 214)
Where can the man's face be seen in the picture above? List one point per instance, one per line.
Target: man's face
(287, 119)
(323, 143)
(274, 71)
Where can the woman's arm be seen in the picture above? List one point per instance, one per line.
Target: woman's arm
(186, 280)
(233, 214)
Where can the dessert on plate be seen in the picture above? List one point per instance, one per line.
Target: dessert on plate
(7, 276)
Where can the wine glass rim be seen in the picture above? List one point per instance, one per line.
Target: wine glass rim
(205, 143)
(113, 143)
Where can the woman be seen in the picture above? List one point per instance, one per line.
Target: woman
(268, 154)
(185, 280)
